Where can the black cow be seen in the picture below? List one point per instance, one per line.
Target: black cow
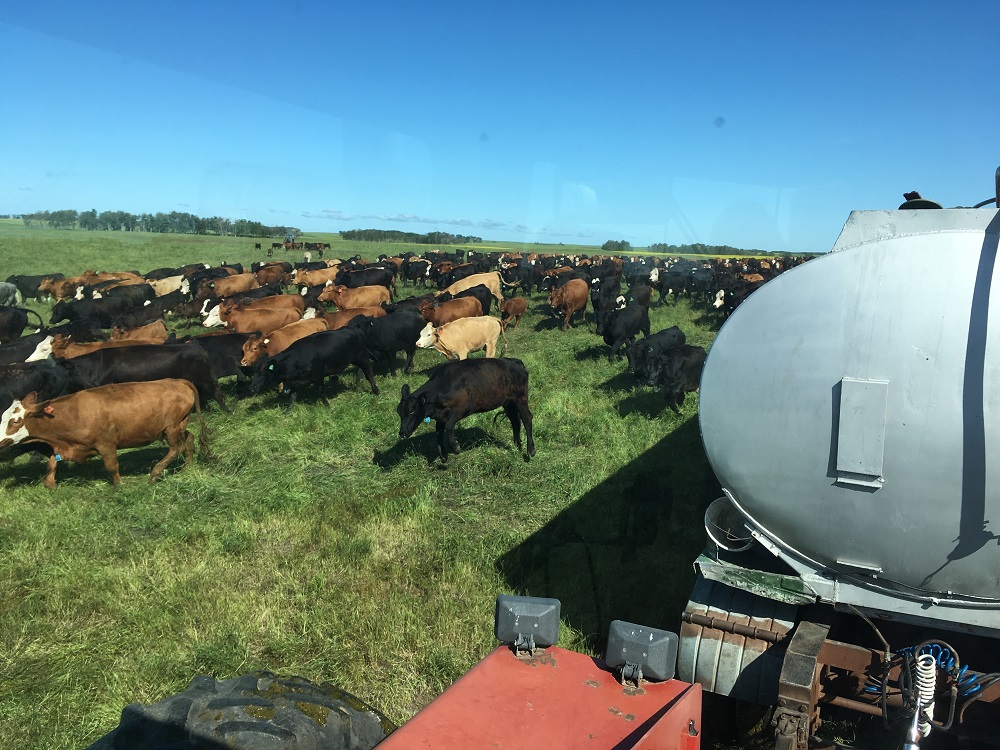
(225, 352)
(28, 285)
(135, 294)
(310, 360)
(162, 273)
(619, 327)
(639, 293)
(604, 293)
(384, 337)
(481, 292)
(48, 378)
(366, 277)
(144, 362)
(410, 303)
(103, 311)
(459, 388)
(676, 372)
(415, 269)
(457, 274)
(13, 320)
(638, 352)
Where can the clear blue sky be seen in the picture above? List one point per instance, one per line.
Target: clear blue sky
(758, 125)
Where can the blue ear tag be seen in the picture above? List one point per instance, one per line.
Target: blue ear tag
(58, 457)
(427, 419)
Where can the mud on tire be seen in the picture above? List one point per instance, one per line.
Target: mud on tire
(257, 711)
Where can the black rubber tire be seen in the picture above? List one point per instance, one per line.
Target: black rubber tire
(254, 712)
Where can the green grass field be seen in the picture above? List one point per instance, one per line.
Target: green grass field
(318, 544)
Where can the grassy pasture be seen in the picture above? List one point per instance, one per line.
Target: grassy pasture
(316, 543)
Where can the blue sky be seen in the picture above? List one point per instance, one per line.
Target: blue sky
(755, 125)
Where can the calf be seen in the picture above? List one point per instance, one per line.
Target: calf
(101, 420)
(676, 372)
(619, 327)
(456, 339)
(385, 336)
(310, 360)
(515, 307)
(457, 389)
(568, 299)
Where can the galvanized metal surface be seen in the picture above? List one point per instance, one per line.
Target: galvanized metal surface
(903, 301)
(727, 662)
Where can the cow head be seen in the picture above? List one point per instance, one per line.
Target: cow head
(412, 411)
(428, 336)
(12, 429)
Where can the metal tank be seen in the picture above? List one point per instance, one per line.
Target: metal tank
(851, 411)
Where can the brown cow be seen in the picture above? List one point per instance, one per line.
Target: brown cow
(277, 341)
(219, 314)
(341, 318)
(264, 321)
(155, 332)
(456, 339)
(514, 308)
(65, 348)
(65, 288)
(315, 278)
(569, 298)
(99, 421)
(440, 313)
(229, 285)
(363, 296)
(269, 274)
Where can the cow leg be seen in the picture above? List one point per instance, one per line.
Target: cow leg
(525, 412)
(365, 366)
(321, 384)
(217, 395)
(449, 429)
(50, 473)
(189, 447)
(176, 441)
(109, 454)
(441, 436)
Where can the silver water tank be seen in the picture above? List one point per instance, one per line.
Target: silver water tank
(851, 410)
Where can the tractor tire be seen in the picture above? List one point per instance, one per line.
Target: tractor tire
(257, 711)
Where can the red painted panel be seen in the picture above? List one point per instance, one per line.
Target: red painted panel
(557, 700)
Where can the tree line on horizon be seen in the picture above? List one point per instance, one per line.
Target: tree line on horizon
(176, 222)
(620, 247)
(393, 235)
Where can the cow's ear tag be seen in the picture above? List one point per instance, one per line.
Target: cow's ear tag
(270, 367)
(427, 419)
(58, 457)
(48, 410)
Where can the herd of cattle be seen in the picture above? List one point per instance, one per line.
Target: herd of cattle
(104, 372)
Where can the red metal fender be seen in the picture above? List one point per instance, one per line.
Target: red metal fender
(556, 699)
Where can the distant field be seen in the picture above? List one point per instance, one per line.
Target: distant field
(316, 543)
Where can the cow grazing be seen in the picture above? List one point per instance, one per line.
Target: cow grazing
(258, 345)
(676, 372)
(385, 336)
(569, 299)
(456, 390)
(457, 339)
(145, 362)
(619, 327)
(13, 320)
(311, 360)
(515, 307)
(99, 421)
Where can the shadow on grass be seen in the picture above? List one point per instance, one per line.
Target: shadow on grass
(134, 463)
(650, 403)
(623, 381)
(624, 549)
(592, 353)
(424, 444)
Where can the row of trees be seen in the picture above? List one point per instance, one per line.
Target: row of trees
(176, 222)
(392, 235)
(621, 247)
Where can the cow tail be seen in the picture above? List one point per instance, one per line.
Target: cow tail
(41, 323)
